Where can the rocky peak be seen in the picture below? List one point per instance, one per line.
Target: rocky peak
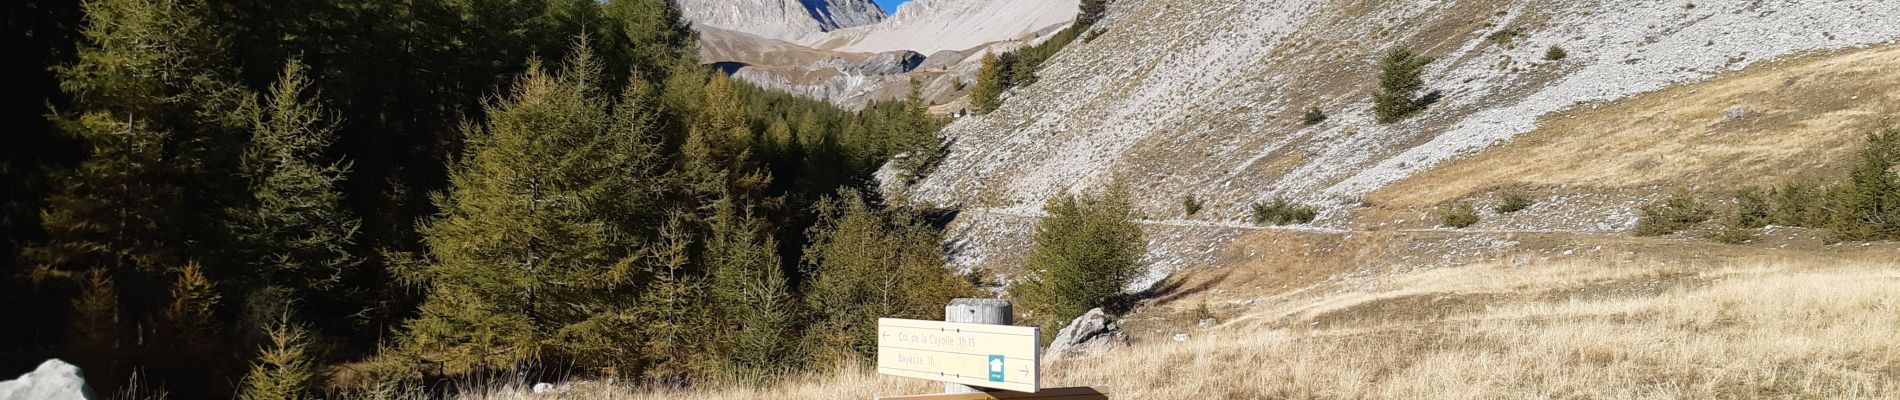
(789, 20)
(928, 26)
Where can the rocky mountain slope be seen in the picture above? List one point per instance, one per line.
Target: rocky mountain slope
(792, 20)
(823, 49)
(1184, 97)
(930, 26)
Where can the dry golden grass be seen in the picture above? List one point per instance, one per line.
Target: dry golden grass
(844, 382)
(1774, 328)
(1806, 116)
(1767, 330)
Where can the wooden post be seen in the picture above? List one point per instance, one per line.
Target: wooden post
(977, 311)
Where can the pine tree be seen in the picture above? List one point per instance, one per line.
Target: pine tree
(295, 231)
(990, 84)
(532, 242)
(1085, 253)
(282, 371)
(1400, 79)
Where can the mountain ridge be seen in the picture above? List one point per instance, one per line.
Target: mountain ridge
(939, 44)
(788, 20)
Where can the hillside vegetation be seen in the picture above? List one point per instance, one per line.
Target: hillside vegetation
(374, 199)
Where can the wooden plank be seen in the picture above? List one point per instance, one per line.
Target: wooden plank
(961, 353)
(1073, 393)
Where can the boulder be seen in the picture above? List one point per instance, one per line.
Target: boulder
(53, 380)
(1091, 333)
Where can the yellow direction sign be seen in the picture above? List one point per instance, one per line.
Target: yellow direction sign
(1074, 393)
(992, 356)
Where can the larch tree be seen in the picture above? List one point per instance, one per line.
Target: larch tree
(534, 255)
(151, 100)
(147, 96)
(750, 296)
(295, 234)
(283, 370)
(866, 262)
(990, 84)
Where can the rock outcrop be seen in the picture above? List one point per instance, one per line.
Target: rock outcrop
(1091, 333)
(929, 26)
(53, 380)
(833, 51)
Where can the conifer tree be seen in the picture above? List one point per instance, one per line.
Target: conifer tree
(1091, 11)
(282, 370)
(1400, 79)
(671, 305)
(780, 143)
(152, 101)
(1023, 65)
(1868, 205)
(917, 147)
(717, 158)
(531, 244)
(655, 33)
(145, 84)
(722, 120)
(823, 161)
(990, 84)
(190, 362)
(93, 335)
(866, 262)
(748, 287)
(811, 131)
(1085, 252)
(295, 232)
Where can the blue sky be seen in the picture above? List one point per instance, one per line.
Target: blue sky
(890, 6)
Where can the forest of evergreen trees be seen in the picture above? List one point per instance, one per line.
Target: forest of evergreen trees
(274, 199)
(1001, 72)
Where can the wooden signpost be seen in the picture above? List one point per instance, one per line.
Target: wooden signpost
(992, 356)
(981, 350)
